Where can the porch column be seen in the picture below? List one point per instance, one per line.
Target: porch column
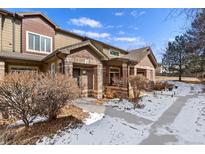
(68, 68)
(2, 69)
(135, 71)
(124, 74)
(148, 74)
(99, 81)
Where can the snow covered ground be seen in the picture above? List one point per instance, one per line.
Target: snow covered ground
(156, 104)
(189, 125)
(106, 131)
(32, 119)
(93, 117)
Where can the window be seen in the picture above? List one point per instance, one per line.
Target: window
(20, 68)
(38, 43)
(114, 53)
(114, 75)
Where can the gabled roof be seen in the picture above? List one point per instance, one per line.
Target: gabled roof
(20, 56)
(24, 14)
(137, 55)
(67, 49)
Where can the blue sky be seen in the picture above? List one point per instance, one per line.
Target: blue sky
(125, 28)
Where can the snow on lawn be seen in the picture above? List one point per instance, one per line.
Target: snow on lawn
(184, 89)
(189, 125)
(155, 106)
(93, 117)
(32, 119)
(106, 131)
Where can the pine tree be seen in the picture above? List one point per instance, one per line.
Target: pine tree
(176, 56)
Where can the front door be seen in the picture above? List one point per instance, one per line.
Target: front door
(76, 75)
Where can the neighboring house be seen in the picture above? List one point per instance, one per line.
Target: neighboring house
(160, 69)
(32, 42)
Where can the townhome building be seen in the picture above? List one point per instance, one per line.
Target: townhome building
(30, 41)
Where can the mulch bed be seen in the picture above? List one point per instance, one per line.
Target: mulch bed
(21, 135)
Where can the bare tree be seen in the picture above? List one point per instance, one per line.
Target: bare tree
(53, 93)
(17, 96)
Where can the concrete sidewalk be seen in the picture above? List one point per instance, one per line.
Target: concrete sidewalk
(166, 118)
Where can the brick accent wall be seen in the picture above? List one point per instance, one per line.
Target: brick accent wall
(37, 25)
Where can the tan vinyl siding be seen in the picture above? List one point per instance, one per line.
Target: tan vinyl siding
(62, 40)
(7, 35)
(18, 36)
(146, 62)
(106, 50)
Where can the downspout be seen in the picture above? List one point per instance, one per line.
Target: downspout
(63, 62)
(13, 40)
(2, 25)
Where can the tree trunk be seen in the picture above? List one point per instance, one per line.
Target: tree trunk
(52, 116)
(180, 66)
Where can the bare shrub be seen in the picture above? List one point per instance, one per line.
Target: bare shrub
(162, 86)
(108, 93)
(17, 96)
(138, 84)
(54, 92)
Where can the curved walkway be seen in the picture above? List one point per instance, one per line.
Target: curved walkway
(167, 118)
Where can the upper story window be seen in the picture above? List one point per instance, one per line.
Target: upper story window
(114, 53)
(38, 43)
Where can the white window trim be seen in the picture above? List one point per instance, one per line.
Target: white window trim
(38, 51)
(114, 51)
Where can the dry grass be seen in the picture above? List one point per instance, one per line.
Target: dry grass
(184, 79)
(71, 110)
(68, 117)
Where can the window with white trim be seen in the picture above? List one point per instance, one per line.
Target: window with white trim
(38, 43)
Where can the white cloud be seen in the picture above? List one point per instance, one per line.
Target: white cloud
(119, 26)
(119, 13)
(125, 39)
(109, 26)
(92, 34)
(136, 28)
(135, 13)
(131, 41)
(84, 21)
(121, 33)
(171, 39)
